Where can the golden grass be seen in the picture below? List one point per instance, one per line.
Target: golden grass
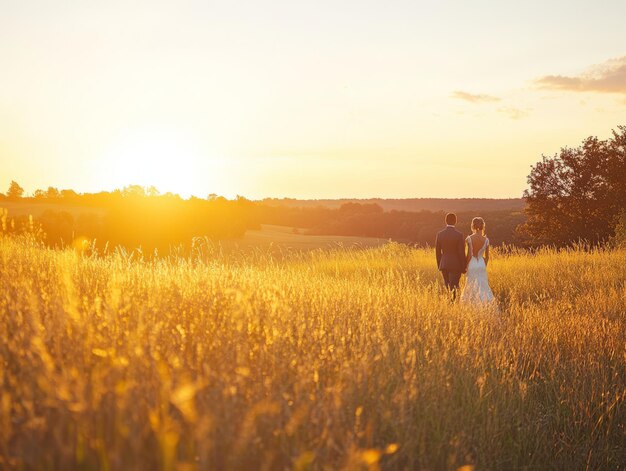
(325, 360)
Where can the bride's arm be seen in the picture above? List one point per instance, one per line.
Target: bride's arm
(468, 257)
(487, 254)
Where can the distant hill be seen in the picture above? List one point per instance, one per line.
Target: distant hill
(409, 204)
(149, 220)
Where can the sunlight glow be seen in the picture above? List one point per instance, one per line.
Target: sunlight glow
(166, 159)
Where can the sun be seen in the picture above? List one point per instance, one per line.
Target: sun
(167, 159)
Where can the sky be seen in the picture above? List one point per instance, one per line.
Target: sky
(315, 99)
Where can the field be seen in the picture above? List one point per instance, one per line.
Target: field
(286, 239)
(331, 359)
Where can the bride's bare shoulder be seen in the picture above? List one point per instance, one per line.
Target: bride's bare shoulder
(477, 239)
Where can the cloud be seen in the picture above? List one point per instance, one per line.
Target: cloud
(609, 77)
(472, 98)
(513, 113)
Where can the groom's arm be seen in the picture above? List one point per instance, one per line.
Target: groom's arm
(438, 250)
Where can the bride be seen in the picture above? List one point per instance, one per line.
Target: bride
(477, 288)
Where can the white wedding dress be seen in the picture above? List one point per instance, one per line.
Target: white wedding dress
(477, 288)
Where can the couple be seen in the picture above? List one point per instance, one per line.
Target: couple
(453, 261)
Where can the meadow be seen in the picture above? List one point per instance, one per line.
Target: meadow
(280, 239)
(326, 359)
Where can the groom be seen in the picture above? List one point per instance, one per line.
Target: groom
(450, 249)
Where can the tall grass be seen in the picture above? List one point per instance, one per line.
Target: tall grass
(326, 360)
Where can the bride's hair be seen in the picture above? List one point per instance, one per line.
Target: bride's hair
(478, 225)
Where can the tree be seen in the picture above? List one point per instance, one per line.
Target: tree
(577, 194)
(134, 191)
(619, 239)
(153, 191)
(68, 194)
(53, 193)
(15, 191)
(617, 164)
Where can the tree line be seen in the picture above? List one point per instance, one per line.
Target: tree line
(370, 220)
(135, 216)
(132, 217)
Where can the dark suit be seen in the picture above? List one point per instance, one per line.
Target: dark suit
(450, 250)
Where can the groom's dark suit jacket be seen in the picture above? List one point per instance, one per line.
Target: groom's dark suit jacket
(450, 247)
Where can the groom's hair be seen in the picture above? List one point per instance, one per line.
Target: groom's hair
(451, 219)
